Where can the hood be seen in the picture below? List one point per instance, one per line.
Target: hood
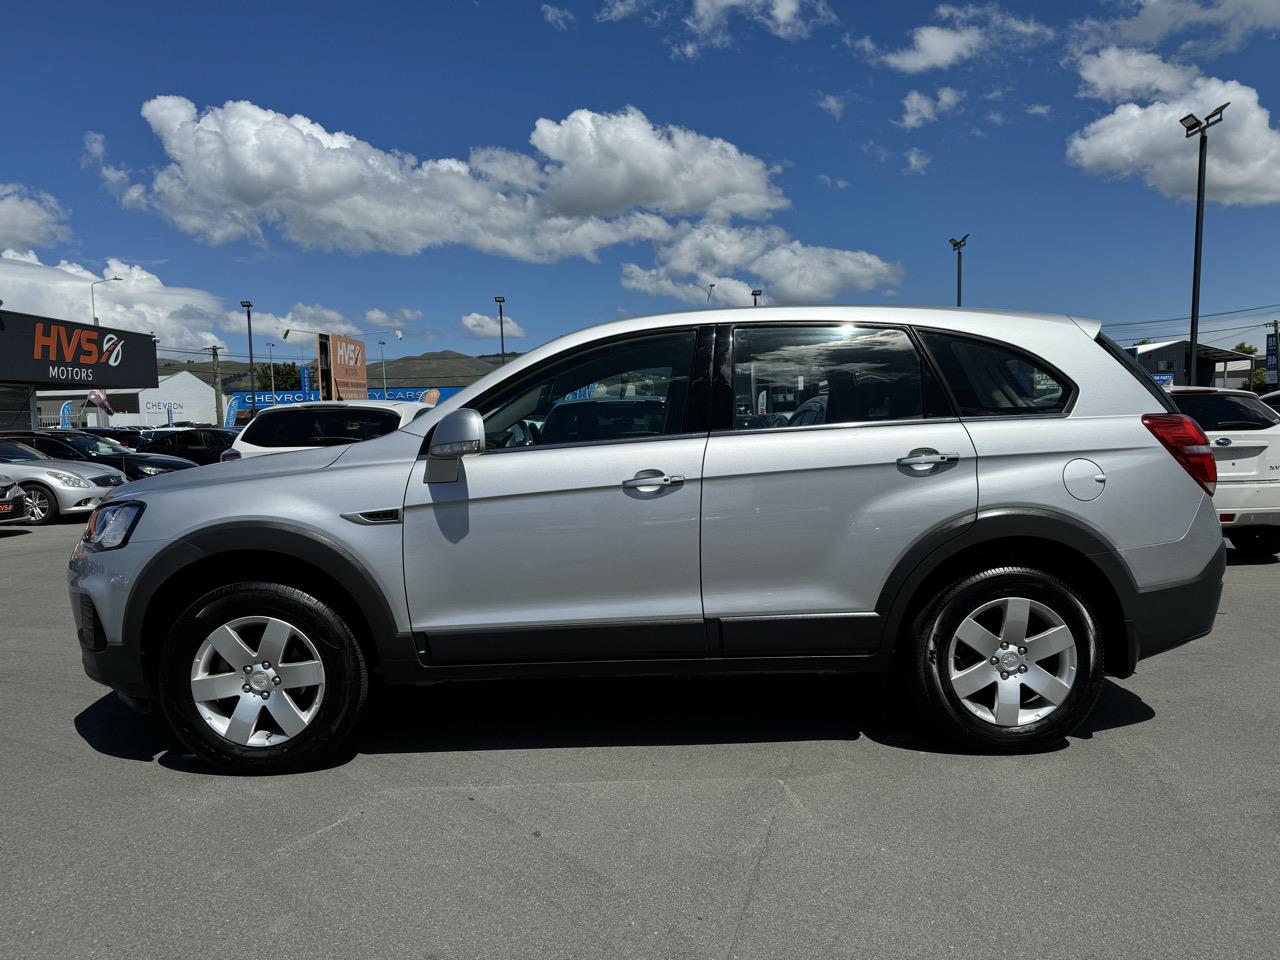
(220, 474)
(159, 460)
(77, 468)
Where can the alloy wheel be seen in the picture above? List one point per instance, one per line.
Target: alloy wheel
(1012, 661)
(257, 681)
(38, 504)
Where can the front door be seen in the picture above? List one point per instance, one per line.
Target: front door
(574, 535)
(804, 522)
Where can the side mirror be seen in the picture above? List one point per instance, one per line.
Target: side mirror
(458, 434)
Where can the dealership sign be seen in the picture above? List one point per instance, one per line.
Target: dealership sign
(58, 353)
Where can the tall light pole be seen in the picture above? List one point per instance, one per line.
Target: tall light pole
(1191, 125)
(271, 364)
(93, 305)
(382, 355)
(502, 340)
(956, 245)
(253, 372)
(755, 297)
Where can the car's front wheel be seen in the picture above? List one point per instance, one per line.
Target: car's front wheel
(1256, 541)
(262, 678)
(42, 505)
(1008, 658)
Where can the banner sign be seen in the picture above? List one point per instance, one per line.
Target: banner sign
(1163, 379)
(305, 373)
(233, 405)
(1271, 358)
(168, 414)
(64, 415)
(58, 353)
(347, 368)
(265, 398)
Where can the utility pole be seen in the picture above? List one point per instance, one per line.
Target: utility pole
(1192, 125)
(956, 245)
(217, 385)
(502, 339)
(253, 371)
(271, 363)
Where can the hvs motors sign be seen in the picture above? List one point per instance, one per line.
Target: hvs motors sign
(58, 353)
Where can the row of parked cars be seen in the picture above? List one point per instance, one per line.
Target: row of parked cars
(67, 472)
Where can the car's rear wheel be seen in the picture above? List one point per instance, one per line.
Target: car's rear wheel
(42, 505)
(262, 678)
(1008, 658)
(1256, 541)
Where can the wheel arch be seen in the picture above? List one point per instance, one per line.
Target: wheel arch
(1017, 536)
(271, 552)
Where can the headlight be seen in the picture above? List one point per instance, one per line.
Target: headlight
(67, 480)
(110, 524)
(152, 471)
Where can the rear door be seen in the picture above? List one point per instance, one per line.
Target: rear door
(1243, 431)
(802, 524)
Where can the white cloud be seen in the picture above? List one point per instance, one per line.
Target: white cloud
(996, 118)
(30, 218)
(789, 271)
(596, 180)
(179, 316)
(832, 104)
(835, 183)
(709, 23)
(481, 327)
(1142, 137)
(1039, 109)
(400, 319)
(920, 108)
(1218, 25)
(558, 17)
(969, 30)
(917, 161)
(302, 318)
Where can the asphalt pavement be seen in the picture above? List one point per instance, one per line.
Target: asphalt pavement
(644, 818)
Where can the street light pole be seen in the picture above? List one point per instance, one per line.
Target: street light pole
(755, 297)
(956, 245)
(382, 355)
(93, 304)
(253, 372)
(1192, 125)
(271, 364)
(502, 340)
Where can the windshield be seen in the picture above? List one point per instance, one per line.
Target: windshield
(1226, 411)
(12, 452)
(93, 446)
(320, 426)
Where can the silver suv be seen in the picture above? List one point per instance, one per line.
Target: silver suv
(999, 507)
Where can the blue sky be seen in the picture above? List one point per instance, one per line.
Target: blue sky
(822, 151)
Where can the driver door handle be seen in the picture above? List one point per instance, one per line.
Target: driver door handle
(927, 458)
(665, 480)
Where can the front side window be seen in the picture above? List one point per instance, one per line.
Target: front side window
(991, 380)
(625, 390)
(797, 376)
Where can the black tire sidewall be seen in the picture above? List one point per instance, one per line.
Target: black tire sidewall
(52, 514)
(940, 620)
(346, 676)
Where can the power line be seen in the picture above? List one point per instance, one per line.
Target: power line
(1222, 313)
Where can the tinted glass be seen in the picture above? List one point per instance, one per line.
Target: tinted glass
(989, 380)
(90, 445)
(624, 390)
(1223, 411)
(824, 374)
(9, 450)
(319, 426)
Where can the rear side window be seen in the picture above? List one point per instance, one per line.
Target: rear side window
(828, 374)
(1225, 411)
(992, 380)
(320, 427)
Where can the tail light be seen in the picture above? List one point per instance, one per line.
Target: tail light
(231, 453)
(1183, 438)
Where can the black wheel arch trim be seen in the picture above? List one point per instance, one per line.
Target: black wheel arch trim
(307, 546)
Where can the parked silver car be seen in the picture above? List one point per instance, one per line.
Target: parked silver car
(1000, 507)
(56, 487)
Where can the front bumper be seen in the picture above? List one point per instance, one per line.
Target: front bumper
(13, 506)
(79, 499)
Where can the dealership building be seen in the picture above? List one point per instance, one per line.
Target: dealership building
(41, 353)
(179, 397)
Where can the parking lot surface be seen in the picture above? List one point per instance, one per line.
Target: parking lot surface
(634, 818)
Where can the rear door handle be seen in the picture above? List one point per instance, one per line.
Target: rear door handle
(927, 458)
(662, 480)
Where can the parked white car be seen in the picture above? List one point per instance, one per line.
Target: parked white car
(322, 423)
(1244, 434)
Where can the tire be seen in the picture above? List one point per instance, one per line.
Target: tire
(315, 689)
(49, 511)
(1256, 541)
(1000, 710)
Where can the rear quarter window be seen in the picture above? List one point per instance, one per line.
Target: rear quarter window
(319, 427)
(990, 379)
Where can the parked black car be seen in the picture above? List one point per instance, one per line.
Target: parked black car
(78, 445)
(203, 446)
(127, 436)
